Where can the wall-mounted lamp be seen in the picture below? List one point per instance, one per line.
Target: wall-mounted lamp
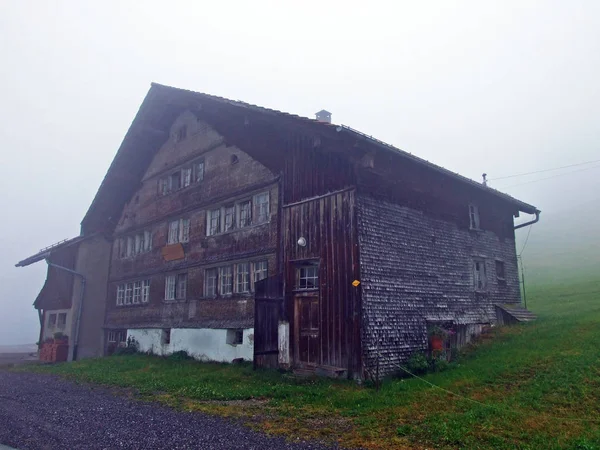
(302, 242)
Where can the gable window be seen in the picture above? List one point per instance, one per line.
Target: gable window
(52, 321)
(245, 213)
(130, 246)
(479, 274)
(260, 270)
(226, 280)
(474, 217)
(181, 133)
(179, 231)
(210, 283)
(307, 277)
(500, 274)
(147, 241)
(242, 281)
(123, 247)
(261, 202)
(176, 286)
(214, 224)
(136, 244)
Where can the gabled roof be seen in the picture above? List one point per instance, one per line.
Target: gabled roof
(150, 129)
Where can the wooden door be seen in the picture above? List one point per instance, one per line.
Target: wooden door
(306, 327)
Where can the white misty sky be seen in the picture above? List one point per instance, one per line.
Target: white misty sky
(496, 87)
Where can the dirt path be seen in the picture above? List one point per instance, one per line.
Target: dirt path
(45, 412)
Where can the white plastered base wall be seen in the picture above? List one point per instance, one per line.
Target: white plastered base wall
(205, 344)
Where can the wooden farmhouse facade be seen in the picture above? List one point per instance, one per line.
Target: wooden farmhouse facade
(233, 231)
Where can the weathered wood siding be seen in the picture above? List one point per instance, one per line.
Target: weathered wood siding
(329, 227)
(418, 266)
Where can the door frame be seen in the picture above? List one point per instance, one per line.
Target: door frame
(297, 296)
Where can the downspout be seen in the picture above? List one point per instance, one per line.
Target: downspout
(82, 277)
(531, 222)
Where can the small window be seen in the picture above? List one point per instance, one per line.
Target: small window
(479, 274)
(173, 232)
(181, 133)
(62, 321)
(139, 244)
(128, 293)
(260, 271)
(123, 248)
(214, 223)
(130, 246)
(137, 292)
(245, 213)
(235, 337)
(147, 241)
(473, 217)
(210, 283)
(120, 294)
(166, 336)
(145, 291)
(176, 287)
(226, 280)
(116, 336)
(234, 159)
(500, 271)
(261, 202)
(175, 181)
(229, 217)
(307, 277)
(242, 282)
(52, 321)
(186, 177)
(199, 171)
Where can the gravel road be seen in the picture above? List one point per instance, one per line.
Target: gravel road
(45, 412)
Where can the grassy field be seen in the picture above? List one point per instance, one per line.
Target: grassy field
(538, 386)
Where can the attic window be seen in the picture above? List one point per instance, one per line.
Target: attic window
(473, 217)
(181, 133)
(500, 272)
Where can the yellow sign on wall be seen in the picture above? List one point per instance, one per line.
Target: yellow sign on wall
(355, 283)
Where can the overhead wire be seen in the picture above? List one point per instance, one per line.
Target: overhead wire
(547, 178)
(543, 170)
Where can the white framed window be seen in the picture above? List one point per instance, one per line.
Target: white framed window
(116, 336)
(138, 244)
(479, 274)
(128, 293)
(307, 277)
(120, 294)
(173, 232)
(213, 222)
(228, 217)
(137, 292)
(186, 177)
(179, 231)
(500, 270)
(245, 213)
(474, 217)
(61, 323)
(260, 270)
(199, 171)
(145, 291)
(242, 278)
(176, 286)
(147, 241)
(225, 280)
(184, 230)
(163, 186)
(130, 246)
(261, 203)
(52, 321)
(210, 282)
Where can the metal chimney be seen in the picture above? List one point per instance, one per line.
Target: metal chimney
(323, 116)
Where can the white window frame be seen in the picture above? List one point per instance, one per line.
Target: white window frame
(186, 177)
(213, 222)
(240, 208)
(181, 288)
(229, 212)
(58, 324)
(147, 241)
(226, 280)
(242, 278)
(52, 323)
(480, 279)
(474, 219)
(262, 205)
(130, 246)
(259, 268)
(120, 295)
(137, 249)
(137, 292)
(128, 294)
(199, 167)
(498, 277)
(170, 287)
(173, 233)
(304, 286)
(211, 288)
(145, 291)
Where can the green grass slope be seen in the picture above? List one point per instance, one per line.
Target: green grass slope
(529, 386)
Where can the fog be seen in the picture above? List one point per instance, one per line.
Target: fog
(496, 87)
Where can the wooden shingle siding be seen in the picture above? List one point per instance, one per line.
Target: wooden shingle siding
(417, 268)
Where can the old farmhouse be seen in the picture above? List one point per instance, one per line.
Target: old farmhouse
(233, 231)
